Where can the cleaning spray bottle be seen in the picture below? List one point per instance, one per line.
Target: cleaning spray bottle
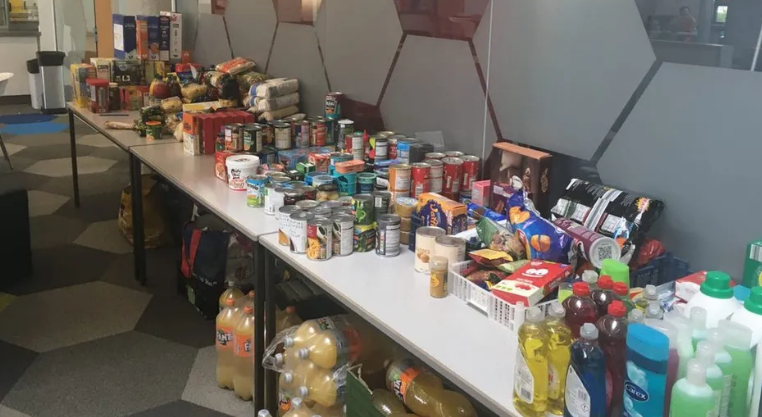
(586, 379)
(737, 339)
(559, 354)
(692, 396)
(705, 354)
(723, 359)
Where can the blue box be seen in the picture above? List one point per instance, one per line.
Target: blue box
(164, 27)
(125, 37)
(154, 38)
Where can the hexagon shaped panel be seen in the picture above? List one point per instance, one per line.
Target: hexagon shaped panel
(366, 116)
(358, 65)
(61, 167)
(297, 11)
(249, 40)
(435, 87)
(212, 46)
(447, 19)
(557, 81)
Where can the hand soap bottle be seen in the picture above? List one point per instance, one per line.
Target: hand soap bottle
(723, 359)
(737, 338)
(692, 396)
(705, 355)
(647, 366)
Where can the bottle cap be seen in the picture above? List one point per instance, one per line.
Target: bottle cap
(230, 302)
(698, 318)
(618, 271)
(620, 289)
(617, 309)
(754, 302)
(605, 282)
(296, 402)
(636, 316)
(590, 277)
(705, 351)
(264, 413)
(303, 353)
(650, 293)
(248, 310)
(735, 334)
(304, 392)
(589, 332)
(654, 311)
(717, 285)
(696, 373)
(279, 360)
(581, 289)
(534, 315)
(290, 309)
(288, 341)
(557, 311)
(288, 377)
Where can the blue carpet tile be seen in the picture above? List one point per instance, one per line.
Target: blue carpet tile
(33, 128)
(13, 119)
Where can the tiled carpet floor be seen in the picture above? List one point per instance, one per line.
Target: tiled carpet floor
(81, 338)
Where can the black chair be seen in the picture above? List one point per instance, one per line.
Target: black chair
(16, 243)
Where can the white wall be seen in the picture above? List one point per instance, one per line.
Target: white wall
(136, 7)
(14, 52)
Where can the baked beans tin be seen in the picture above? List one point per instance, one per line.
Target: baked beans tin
(399, 178)
(333, 102)
(358, 146)
(388, 235)
(403, 149)
(255, 190)
(306, 204)
(453, 173)
(434, 155)
(252, 138)
(382, 149)
(318, 131)
(381, 202)
(363, 206)
(319, 180)
(470, 172)
(233, 141)
(343, 234)
(453, 154)
(310, 192)
(273, 198)
(346, 128)
(321, 211)
(282, 133)
(364, 238)
(298, 231)
(420, 179)
(284, 223)
(319, 239)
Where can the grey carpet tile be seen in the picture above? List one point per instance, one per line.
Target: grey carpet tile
(161, 264)
(20, 163)
(62, 266)
(42, 139)
(14, 360)
(104, 236)
(40, 153)
(202, 388)
(9, 412)
(110, 152)
(61, 167)
(179, 409)
(42, 203)
(68, 316)
(110, 377)
(93, 208)
(113, 180)
(54, 230)
(7, 109)
(174, 318)
(18, 177)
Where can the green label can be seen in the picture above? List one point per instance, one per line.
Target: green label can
(255, 190)
(363, 206)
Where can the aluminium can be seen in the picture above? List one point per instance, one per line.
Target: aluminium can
(434, 155)
(358, 146)
(318, 131)
(451, 247)
(306, 204)
(363, 207)
(252, 138)
(304, 132)
(453, 174)
(453, 154)
(319, 239)
(333, 102)
(343, 234)
(273, 198)
(470, 171)
(321, 211)
(298, 231)
(255, 190)
(420, 179)
(425, 246)
(399, 178)
(437, 172)
(282, 134)
(382, 149)
(332, 204)
(388, 235)
(284, 223)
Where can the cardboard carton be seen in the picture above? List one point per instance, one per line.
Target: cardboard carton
(529, 167)
(175, 35)
(164, 37)
(532, 282)
(154, 38)
(102, 67)
(80, 91)
(437, 210)
(125, 37)
(141, 34)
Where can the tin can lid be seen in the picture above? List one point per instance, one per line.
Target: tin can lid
(289, 209)
(346, 122)
(388, 219)
(242, 161)
(430, 231)
(470, 158)
(422, 165)
(450, 241)
(302, 215)
(433, 162)
(452, 161)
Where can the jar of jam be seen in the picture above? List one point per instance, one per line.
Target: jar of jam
(327, 192)
(291, 196)
(310, 192)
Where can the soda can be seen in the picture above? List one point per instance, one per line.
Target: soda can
(298, 231)
(363, 206)
(420, 179)
(453, 173)
(255, 190)
(388, 235)
(343, 234)
(252, 138)
(470, 172)
(319, 239)
(453, 154)
(284, 223)
(399, 178)
(333, 103)
(317, 131)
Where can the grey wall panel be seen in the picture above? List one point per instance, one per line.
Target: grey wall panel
(359, 39)
(295, 54)
(251, 25)
(562, 71)
(482, 37)
(693, 141)
(211, 40)
(435, 87)
(189, 10)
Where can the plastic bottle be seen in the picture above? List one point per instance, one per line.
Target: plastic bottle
(243, 350)
(751, 315)
(287, 360)
(649, 295)
(586, 377)
(618, 271)
(737, 339)
(324, 387)
(716, 297)
(299, 409)
(286, 391)
(590, 278)
(335, 411)
(286, 319)
(613, 342)
(304, 371)
(303, 334)
(264, 413)
(226, 322)
(636, 316)
(673, 363)
(453, 404)
(723, 359)
(756, 398)
(685, 349)
(647, 363)
(692, 396)
(387, 403)
(654, 311)
(623, 292)
(698, 325)
(530, 382)
(705, 355)
(580, 308)
(337, 344)
(559, 354)
(604, 294)
(232, 292)
(417, 388)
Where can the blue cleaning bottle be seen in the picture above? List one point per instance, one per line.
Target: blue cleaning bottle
(647, 366)
(585, 394)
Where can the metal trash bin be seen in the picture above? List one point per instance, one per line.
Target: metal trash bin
(35, 83)
(51, 72)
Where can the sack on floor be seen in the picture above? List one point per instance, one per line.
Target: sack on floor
(153, 221)
(203, 263)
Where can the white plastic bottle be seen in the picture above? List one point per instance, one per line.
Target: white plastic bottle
(705, 355)
(716, 297)
(723, 359)
(698, 325)
(751, 315)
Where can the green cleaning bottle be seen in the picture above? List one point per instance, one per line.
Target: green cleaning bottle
(692, 396)
(705, 355)
(737, 338)
(723, 359)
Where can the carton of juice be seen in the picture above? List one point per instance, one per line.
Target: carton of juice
(439, 211)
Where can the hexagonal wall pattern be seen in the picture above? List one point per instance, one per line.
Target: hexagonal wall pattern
(358, 65)
(249, 40)
(366, 116)
(61, 167)
(707, 175)
(212, 45)
(558, 82)
(447, 19)
(435, 87)
(296, 54)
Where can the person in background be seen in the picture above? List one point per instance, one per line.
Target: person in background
(684, 23)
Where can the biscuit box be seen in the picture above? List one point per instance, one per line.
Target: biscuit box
(439, 211)
(125, 37)
(526, 166)
(532, 282)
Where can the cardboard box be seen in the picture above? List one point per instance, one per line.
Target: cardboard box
(154, 38)
(80, 90)
(481, 192)
(102, 67)
(175, 35)
(141, 33)
(206, 133)
(526, 166)
(437, 210)
(752, 264)
(131, 97)
(532, 282)
(127, 72)
(164, 37)
(125, 37)
(191, 125)
(687, 287)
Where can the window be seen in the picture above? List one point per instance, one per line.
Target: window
(721, 14)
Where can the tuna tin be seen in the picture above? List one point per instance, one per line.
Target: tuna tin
(363, 206)
(388, 235)
(298, 231)
(284, 223)
(255, 190)
(319, 239)
(343, 234)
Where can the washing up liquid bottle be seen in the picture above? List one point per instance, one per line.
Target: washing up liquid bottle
(603, 295)
(648, 296)
(751, 315)
(580, 308)
(705, 354)
(559, 343)
(636, 316)
(623, 292)
(698, 325)
(723, 359)
(585, 394)
(647, 364)
(685, 349)
(613, 342)
(530, 383)
(737, 339)
(673, 363)
(716, 297)
(654, 311)
(692, 396)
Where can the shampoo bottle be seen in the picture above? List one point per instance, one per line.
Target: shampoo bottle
(705, 354)
(647, 365)
(585, 394)
(692, 396)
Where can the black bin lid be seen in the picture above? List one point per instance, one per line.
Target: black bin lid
(32, 66)
(50, 58)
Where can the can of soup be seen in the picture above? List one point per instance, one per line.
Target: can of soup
(252, 138)
(470, 172)
(434, 155)
(453, 173)
(420, 179)
(318, 131)
(363, 206)
(343, 234)
(273, 198)
(388, 235)
(255, 190)
(399, 178)
(319, 239)
(282, 132)
(298, 231)
(284, 223)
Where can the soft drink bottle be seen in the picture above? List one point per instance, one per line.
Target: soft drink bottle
(232, 292)
(335, 411)
(287, 360)
(604, 294)
(299, 409)
(387, 403)
(559, 343)
(418, 389)
(338, 344)
(453, 404)
(286, 391)
(580, 308)
(530, 380)
(586, 378)
(324, 387)
(613, 341)
(226, 322)
(286, 319)
(623, 292)
(303, 335)
(243, 379)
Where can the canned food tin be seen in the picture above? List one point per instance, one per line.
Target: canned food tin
(404, 206)
(306, 204)
(319, 239)
(366, 180)
(255, 190)
(268, 155)
(388, 235)
(420, 179)
(363, 206)
(470, 172)
(344, 210)
(403, 149)
(298, 231)
(396, 195)
(281, 180)
(327, 192)
(296, 134)
(333, 102)
(273, 198)
(310, 192)
(331, 204)
(453, 173)
(282, 132)
(358, 146)
(434, 155)
(295, 184)
(252, 138)
(305, 133)
(382, 149)
(233, 140)
(321, 211)
(437, 171)
(319, 180)
(453, 154)
(284, 223)
(385, 133)
(399, 178)
(451, 247)
(292, 195)
(318, 131)
(364, 238)
(267, 134)
(346, 128)
(425, 246)
(331, 127)
(346, 201)
(393, 141)
(343, 234)
(381, 201)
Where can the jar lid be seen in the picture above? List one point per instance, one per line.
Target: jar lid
(242, 161)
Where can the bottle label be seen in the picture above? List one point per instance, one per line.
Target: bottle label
(284, 402)
(554, 383)
(225, 337)
(715, 411)
(577, 398)
(401, 376)
(523, 385)
(242, 345)
(725, 402)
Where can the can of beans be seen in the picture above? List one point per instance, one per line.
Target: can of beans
(273, 198)
(364, 238)
(233, 140)
(382, 149)
(403, 149)
(284, 223)
(399, 178)
(453, 172)
(321, 211)
(363, 206)
(282, 132)
(381, 202)
(420, 179)
(393, 140)
(358, 146)
(318, 131)
(319, 239)
(310, 192)
(437, 171)
(306, 204)
(252, 138)
(470, 172)
(333, 102)
(453, 154)
(343, 234)
(434, 155)
(255, 190)
(346, 128)
(388, 235)
(298, 231)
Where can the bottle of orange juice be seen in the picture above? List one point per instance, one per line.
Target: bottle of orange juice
(243, 338)
(324, 387)
(232, 292)
(226, 322)
(299, 409)
(286, 319)
(337, 344)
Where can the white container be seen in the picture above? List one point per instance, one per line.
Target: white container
(425, 244)
(239, 168)
(750, 315)
(716, 297)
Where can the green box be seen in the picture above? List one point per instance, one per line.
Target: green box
(359, 399)
(752, 265)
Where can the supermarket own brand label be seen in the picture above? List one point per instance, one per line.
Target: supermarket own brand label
(577, 399)
(524, 383)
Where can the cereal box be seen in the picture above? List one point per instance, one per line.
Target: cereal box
(165, 23)
(532, 282)
(125, 37)
(437, 210)
(80, 91)
(141, 33)
(175, 35)
(102, 67)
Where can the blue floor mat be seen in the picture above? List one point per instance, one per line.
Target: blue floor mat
(33, 128)
(12, 119)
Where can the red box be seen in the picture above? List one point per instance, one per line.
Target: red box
(220, 170)
(191, 141)
(532, 282)
(321, 161)
(206, 132)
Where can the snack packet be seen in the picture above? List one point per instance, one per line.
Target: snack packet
(499, 238)
(540, 237)
(490, 258)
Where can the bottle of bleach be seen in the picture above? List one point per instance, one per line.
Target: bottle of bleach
(716, 297)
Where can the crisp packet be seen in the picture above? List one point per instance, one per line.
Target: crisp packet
(490, 258)
(540, 237)
(499, 238)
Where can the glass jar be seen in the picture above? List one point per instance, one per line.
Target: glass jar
(327, 192)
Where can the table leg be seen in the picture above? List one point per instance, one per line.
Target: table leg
(271, 399)
(138, 239)
(74, 173)
(259, 326)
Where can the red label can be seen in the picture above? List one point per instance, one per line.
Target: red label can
(420, 179)
(318, 131)
(453, 174)
(470, 172)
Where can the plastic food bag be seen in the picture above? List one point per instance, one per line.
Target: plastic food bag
(172, 105)
(269, 116)
(541, 238)
(236, 66)
(274, 87)
(192, 92)
(275, 103)
(247, 79)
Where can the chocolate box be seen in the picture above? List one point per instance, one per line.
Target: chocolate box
(532, 282)
(529, 167)
(437, 210)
